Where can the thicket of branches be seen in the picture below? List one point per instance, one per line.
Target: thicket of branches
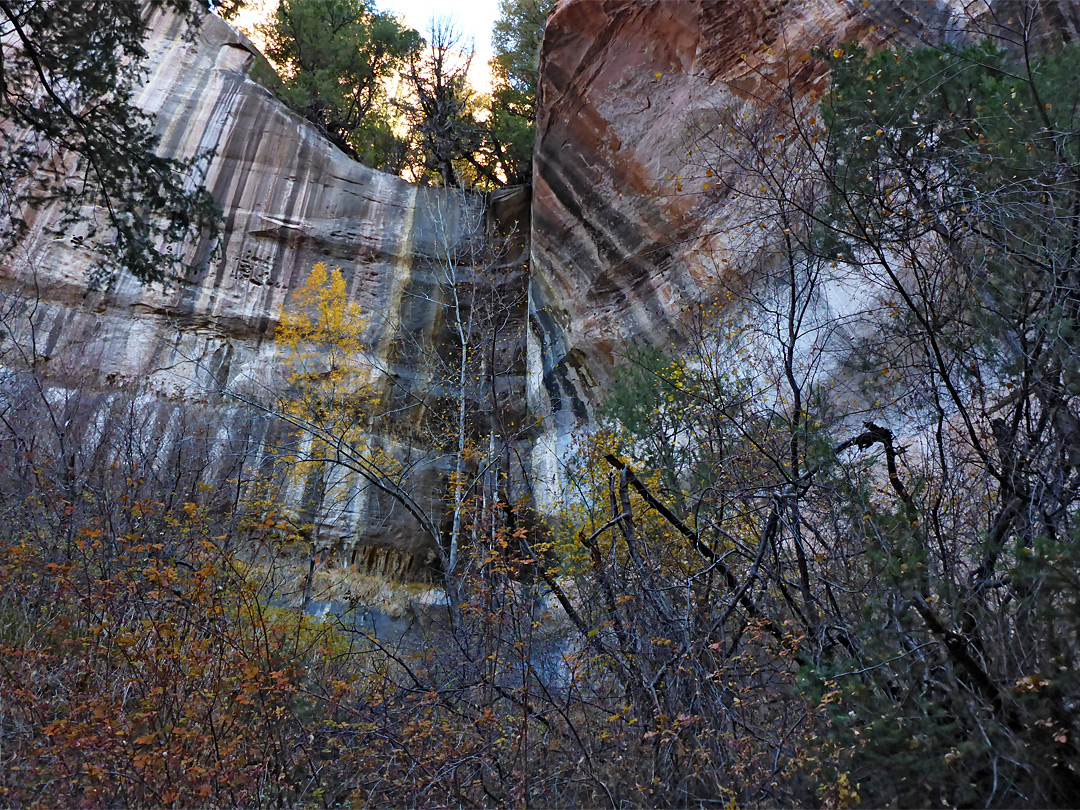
(863, 490)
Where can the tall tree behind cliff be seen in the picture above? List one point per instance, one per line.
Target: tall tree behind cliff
(517, 37)
(336, 57)
(461, 141)
(73, 134)
(440, 109)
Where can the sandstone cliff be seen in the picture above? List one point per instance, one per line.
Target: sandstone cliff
(290, 199)
(626, 236)
(622, 240)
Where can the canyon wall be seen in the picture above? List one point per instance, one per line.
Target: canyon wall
(290, 199)
(627, 233)
(630, 229)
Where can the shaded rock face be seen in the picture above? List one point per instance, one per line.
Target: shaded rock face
(618, 249)
(621, 245)
(290, 199)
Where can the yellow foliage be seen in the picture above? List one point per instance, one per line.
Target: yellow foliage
(328, 393)
(322, 339)
(326, 372)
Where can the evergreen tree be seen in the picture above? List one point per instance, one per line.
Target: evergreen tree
(517, 37)
(73, 134)
(336, 57)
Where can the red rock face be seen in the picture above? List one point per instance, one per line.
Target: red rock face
(622, 238)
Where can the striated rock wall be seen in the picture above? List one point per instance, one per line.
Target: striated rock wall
(290, 199)
(623, 239)
(620, 245)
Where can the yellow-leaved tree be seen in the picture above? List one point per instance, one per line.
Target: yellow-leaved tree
(327, 395)
(326, 374)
